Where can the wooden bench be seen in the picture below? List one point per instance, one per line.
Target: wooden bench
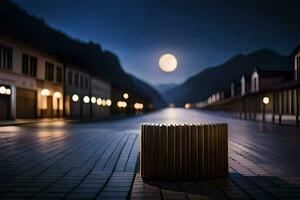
(184, 151)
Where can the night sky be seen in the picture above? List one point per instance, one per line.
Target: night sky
(199, 33)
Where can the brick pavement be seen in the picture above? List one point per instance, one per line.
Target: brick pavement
(99, 160)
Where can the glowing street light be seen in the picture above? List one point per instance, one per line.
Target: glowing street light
(57, 95)
(2, 90)
(45, 92)
(93, 100)
(121, 104)
(138, 106)
(75, 97)
(187, 106)
(125, 95)
(86, 99)
(108, 102)
(103, 102)
(266, 100)
(8, 91)
(99, 101)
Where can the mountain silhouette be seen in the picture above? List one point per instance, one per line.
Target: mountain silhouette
(200, 86)
(17, 23)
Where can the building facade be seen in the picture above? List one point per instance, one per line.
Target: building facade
(100, 98)
(262, 79)
(297, 64)
(24, 75)
(245, 85)
(77, 92)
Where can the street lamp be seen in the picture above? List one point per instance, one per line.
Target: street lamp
(8, 91)
(125, 95)
(45, 92)
(266, 101)
(108, 102)
(86, 99)
(103, 102)
(2, 90)
(187, 106)
(57, 95)
(75, 97)
(99, 100)
(121, 104)
(93, 99)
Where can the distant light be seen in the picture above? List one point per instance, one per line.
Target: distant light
(103, 102)
(125, 96)
(266, 100)
(8, 91)
(86, 99)
(138, 106)
(45, 92)
(121, 104)
(93, 100)
(2, 90)
(187, 106)
(99, 101)
(57, 95)
(108, 102)
(75, 97)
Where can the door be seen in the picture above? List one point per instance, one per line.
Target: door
(26, 103)
(49, 106)
(4, 107)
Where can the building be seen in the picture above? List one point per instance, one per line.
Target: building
(296, 55)
(86, 96)
(216, 97)
(50, 87)
(235, 89)
(245, 85)
(100, 98)
(262, 79)
(32, 80)
(77, 92)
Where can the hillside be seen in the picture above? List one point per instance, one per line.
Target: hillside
(200, 86)
(17, 23)
(161, 88)
(151, 94)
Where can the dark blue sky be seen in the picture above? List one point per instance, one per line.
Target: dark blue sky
(199, 33)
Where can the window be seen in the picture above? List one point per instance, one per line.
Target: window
(76, 79)
(86, 83)
(29, 65)
(81, 81)
(33, 66)
(70, 78)
(49, 71)
(5, 57)
(58, 74)
(25, 64)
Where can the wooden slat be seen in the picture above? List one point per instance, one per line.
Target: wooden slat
(187, 151)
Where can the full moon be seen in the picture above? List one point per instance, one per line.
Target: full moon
(167, 63)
